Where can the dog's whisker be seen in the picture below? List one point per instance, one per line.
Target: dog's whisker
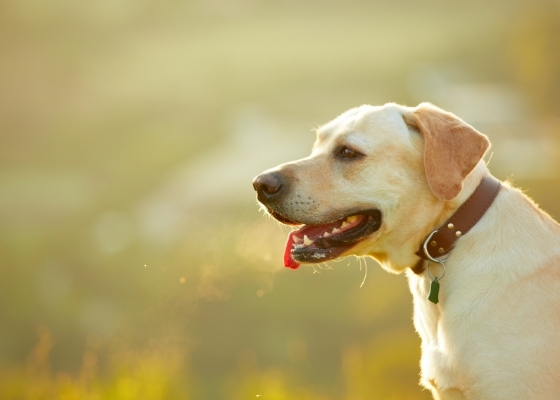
(366, 268)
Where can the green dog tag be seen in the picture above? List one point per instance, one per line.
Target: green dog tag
(434, 292)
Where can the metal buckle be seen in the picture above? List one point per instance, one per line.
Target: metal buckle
(432, 259)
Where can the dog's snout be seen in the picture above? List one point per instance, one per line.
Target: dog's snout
(268, 185)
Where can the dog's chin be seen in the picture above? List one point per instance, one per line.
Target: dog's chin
(316, 243)
(281, 218)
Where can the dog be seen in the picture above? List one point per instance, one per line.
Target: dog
(381, 181)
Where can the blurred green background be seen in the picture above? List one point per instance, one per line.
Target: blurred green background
(134, 263)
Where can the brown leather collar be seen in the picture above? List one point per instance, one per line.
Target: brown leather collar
(466, 216)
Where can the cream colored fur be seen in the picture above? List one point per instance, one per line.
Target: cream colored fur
(495, 333)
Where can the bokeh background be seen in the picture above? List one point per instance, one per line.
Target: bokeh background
(134, 263)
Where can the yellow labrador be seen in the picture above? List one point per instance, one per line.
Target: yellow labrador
(379, 181)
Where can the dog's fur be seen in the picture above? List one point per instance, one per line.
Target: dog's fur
(495, 333)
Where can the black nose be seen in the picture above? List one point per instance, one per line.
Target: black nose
(268, 185)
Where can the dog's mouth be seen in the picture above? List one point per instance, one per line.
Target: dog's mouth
(319, 243)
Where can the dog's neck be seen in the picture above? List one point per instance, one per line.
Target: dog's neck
(396, 252)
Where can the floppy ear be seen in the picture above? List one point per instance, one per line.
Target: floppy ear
(452, 148)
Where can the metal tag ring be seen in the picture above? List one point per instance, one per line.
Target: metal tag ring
(430, 275)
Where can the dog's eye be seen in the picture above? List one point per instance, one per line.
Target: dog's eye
(346, 153)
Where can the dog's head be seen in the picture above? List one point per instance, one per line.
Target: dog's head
(377, 180)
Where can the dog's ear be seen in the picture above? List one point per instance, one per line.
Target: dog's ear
(452, 148)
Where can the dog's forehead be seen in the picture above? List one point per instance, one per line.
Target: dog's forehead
(365, 123)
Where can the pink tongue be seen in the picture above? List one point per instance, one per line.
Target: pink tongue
(289, 262)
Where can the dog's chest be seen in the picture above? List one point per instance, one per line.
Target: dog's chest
(440, 360)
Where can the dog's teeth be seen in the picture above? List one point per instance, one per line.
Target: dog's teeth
(326, 234)
(307, 241)
(297, 239)
(352, 219)
(344, 224)
(335, 231)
